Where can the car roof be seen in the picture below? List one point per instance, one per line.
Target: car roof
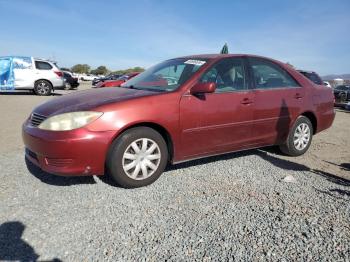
(218, 56)
(44, 60)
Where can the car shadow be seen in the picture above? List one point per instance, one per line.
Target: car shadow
(207, 160)
(57, 180)
(13, 247)
(269, 154)
(343, 166)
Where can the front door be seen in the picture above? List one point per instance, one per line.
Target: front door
(220, 121)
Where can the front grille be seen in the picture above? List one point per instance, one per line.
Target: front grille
(36, 119)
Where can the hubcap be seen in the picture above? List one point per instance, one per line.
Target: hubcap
(141, 159)
(43, 88)
(301, 136)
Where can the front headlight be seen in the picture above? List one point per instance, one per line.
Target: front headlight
(69, 121)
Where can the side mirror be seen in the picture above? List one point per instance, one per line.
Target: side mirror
(202, 88)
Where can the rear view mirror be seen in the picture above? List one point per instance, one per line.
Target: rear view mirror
(202, 88)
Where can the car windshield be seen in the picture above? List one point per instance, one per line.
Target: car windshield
(166, 76)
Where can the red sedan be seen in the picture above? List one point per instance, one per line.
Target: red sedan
(117, 82)
(179, 110)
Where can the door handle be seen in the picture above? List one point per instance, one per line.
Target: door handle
(246, 101)
(298, 96)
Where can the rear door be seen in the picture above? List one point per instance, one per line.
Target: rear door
(220, 121)
(278, 101)
(46, 70)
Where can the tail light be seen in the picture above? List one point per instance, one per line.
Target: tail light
(59, 73)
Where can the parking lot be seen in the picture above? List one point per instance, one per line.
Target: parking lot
(252, 205)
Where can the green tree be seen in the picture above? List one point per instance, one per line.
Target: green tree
(129, 70)
(81, 68)
(101, 70)
(224, 49)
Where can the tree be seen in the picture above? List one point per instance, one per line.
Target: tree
(129, 70)
(101, 70)
(81, 68)
(224, 49)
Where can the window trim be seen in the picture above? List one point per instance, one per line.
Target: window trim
(38, 61)
(251, 75)
(245, 69)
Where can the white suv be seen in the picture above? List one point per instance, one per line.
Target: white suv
(41, 76)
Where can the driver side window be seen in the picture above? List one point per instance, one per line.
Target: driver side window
(228, 74)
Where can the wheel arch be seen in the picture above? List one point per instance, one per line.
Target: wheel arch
(312, 117)
(43, 79)
(157, 127)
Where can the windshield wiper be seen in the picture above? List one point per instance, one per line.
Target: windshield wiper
(144, 89)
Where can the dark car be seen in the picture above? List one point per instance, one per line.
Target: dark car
(179, 110)
(103, 79)
(70, 81)
(313, 76)
(342, 93)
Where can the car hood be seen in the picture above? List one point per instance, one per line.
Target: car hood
(88, 100)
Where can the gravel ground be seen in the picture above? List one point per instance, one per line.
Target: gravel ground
(253, 205)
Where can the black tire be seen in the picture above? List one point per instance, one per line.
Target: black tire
(42, 88)
(289, 146)
(67, 86)
(342, 97)
(115, 158)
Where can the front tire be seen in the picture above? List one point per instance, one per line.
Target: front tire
(42, 88)
(299, 138)
(137, 158)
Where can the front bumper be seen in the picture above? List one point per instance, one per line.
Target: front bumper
(69, 153)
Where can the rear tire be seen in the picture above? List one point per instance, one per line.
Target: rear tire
(42, 88)
(343, 97)
(137, 158)
(299, 138)
(67, 86)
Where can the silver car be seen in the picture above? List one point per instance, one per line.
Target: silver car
(39, 75)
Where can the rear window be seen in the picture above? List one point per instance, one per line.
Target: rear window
(42, 65)
(313, 77)
(343, 88)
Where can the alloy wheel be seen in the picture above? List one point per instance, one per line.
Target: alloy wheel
(43, 88)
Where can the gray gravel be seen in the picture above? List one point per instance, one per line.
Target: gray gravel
(234, 207)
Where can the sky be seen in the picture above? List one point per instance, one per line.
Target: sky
(311, 35)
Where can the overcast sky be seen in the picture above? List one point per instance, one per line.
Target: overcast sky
(313, 35)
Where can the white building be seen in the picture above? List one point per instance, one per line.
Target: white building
(338, 82)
